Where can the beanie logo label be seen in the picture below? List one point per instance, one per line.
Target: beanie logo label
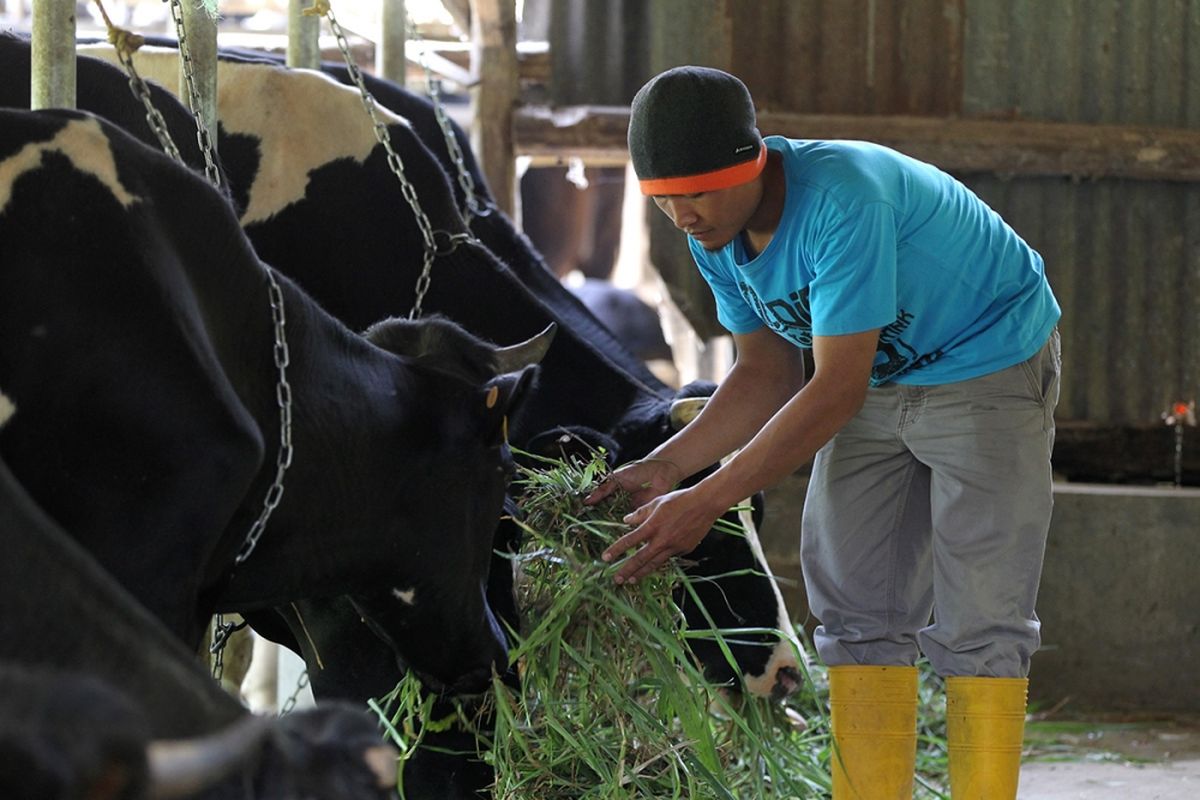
(743, 148)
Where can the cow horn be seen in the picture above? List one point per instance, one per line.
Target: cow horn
(530, 351)
(185, 767)
(686, 409)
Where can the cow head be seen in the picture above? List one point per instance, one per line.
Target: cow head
(437, 617)
(72, 734)
(733, 584)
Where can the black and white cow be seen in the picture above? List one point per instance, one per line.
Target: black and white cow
(338, 225)
(138, 345)
(321, 205)
(99, 700)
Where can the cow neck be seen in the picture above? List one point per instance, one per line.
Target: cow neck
(396, 164)
(283, 392)
(275, 294)
(283, 397)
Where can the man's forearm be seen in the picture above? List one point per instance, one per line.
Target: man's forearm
(742, 404)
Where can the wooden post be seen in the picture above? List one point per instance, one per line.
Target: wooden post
(201, 31)
(494, 96)
(52, 77)
(390, 58)
(304, 33)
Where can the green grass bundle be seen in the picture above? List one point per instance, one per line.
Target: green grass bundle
(611, 703)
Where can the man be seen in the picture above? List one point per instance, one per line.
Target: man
(929, 414)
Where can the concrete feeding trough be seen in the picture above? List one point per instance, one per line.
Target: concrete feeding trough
(1119, 599)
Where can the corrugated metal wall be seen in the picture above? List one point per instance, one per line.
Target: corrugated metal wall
(1123, 256)
(856, 57)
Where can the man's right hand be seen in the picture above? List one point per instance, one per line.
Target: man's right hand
(644, 480)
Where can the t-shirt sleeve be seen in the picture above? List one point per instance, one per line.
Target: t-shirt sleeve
(854, 284)
(733, 310)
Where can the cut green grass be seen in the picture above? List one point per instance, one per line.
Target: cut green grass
(611, 703)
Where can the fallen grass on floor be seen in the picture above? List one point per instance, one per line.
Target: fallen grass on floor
(611, 703)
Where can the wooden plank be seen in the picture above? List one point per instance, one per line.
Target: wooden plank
(494, 97)
(533, 60)
(1002, 147)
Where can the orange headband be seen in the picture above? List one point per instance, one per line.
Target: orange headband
(721, 178)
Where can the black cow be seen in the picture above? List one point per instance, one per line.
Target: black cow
(99, 700)
(321, 205)
(138, 345)
(347, 237)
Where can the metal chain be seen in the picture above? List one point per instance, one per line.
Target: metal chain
(283, 397)
(283, 390)
(290, 703)
(203, 139)
(322, 8)
(465, 179)
(222, 630)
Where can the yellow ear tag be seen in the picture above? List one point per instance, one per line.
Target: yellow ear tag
(493, 396)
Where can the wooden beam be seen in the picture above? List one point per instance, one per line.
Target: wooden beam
(1002, 147)
(494, 97)
(533, 60)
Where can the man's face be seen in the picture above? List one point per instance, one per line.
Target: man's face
(713, 218)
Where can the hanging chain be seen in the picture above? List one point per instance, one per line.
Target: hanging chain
(283, 390)
(465, 180)
(222, 630)
(322, 8)
(290, 703)
(126, 43)
(203, 139)
(283, 397)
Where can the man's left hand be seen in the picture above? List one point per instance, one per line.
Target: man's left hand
(670, 525)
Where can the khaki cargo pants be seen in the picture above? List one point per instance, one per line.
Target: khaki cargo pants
(935, 500)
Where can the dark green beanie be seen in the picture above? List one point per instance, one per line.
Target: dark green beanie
(692, 129)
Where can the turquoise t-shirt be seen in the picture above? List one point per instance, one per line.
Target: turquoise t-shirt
(870, 238)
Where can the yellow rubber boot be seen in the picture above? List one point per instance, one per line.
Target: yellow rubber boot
(985, 724)
(873, 711)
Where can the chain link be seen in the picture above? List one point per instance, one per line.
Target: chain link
(283, 390)
(222, 631)
(153, 117)
(203, 139)
(290, 704)
(465, 180)
(394, 163)
(283, 398)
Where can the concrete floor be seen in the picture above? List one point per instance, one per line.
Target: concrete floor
(1176, 780)
(1114, 760)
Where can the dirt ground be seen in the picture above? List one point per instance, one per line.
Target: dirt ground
(1112, 758)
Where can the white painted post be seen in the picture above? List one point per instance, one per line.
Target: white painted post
(52, 81)
(390, 60)
(201, 32)
(304, 33)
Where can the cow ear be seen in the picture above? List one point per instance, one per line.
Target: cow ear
(501, 397)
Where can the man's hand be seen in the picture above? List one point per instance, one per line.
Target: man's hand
(644, 480)
(670, 525)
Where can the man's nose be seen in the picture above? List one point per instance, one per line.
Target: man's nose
(681, 213)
